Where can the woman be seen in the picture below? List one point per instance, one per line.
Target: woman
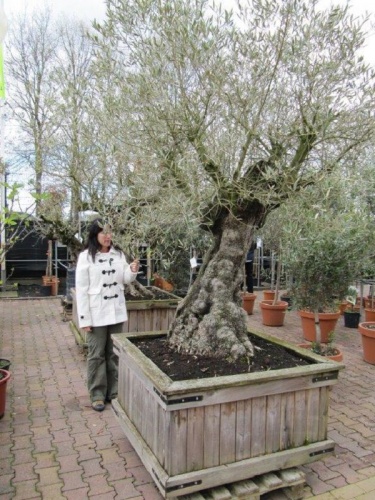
(101, 273)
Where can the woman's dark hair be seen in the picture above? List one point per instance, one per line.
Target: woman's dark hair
(93, 244)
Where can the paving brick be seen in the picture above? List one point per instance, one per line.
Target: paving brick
(131, 459)
(347, 493)
(348, 473)
(87, 453)
(149, 492)
(117, 471)
(140, 474)
(92, 467)
(73, 480)
(46, 459)
(52, 491)
(104, 496)
(125, 489)
(6, 487)
(77, 494)
(26, 490)
(83, 438)
(24, 472)
(110, 456)
(69, 463)
(48, 475)
(368, 484)
(99, 485)
(43, 445)
(22, 442)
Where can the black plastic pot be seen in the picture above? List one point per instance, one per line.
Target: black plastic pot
(351, 319)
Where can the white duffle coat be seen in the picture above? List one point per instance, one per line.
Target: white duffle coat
(100, 288)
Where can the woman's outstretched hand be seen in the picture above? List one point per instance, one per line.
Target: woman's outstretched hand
(134, 266)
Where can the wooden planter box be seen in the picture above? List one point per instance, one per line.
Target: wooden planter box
(143, 315)
(198, 434)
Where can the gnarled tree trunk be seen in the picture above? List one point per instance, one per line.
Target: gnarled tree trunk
(210, 320)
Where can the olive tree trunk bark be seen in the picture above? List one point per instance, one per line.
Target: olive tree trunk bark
(210, 320)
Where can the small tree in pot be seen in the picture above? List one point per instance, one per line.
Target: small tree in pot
(327, 251)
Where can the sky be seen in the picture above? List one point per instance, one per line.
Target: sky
(95, 9)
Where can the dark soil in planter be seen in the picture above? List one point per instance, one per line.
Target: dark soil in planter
(268, 356)
(158, 294)
(32, 290)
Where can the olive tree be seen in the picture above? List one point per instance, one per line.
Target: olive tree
(237, 111)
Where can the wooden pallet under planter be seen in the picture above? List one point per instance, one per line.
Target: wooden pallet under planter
(143, 315)
(290, 483)
(197, 434)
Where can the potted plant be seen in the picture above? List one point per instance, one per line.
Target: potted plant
(352, 314)
(4, 364)
(326, 350)
(367, 331)
(49, 279)
(4, 377)
(248, 301)
(370, 307)
(323, 257)
(273, 310)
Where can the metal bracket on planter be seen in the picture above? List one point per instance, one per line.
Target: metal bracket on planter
(182, 486)
(177, 401)
(322, 452)
(177, 487)
(327, 376)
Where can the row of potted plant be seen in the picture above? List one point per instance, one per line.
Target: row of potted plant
(4, 378)
(273, 313)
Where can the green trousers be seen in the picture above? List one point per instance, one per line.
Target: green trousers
(102, 363)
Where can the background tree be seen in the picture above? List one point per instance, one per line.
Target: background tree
(31, 60)
(236, 112)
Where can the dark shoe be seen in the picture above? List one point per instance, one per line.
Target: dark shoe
(98, 405)
(108, 400)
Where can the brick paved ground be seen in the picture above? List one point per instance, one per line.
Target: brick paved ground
(53, 445)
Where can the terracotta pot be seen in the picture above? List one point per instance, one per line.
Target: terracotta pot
(344, 304)
(55, 286)
(268, 294)
(248, 300)
(53, 282)
(369, 304)
(3, 391)
(334, 357)
(273, 315)
(367, 330)
(327, 322)
(369, 314)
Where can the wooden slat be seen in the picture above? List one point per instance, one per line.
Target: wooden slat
(211, 445)
(313, 415)
(160, 434)
(194, 448)
(243, 426)
(258, 427)
(324, 408)
(227, 433)
(273, 423)
(176, 460)
(300, 418)
(287, 421)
